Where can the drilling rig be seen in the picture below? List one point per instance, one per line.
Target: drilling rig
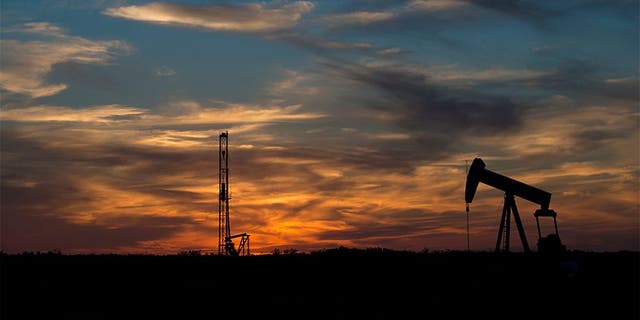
(225, 239)
(477, 173)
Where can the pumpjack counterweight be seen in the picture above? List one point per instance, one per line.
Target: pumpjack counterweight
(225, 239)
(477, 173)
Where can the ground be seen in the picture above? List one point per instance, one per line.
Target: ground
(331, 284)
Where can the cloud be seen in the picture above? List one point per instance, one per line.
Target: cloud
(293, 82)
(567, 132)
(294, 190)
(454, 76)
(580, 78)
(249, 17)
(113, 171)
(415, 168)
(190, 112)
(493, 74)
(344, 45)
(320, 45)
(363, 17)
(31, 227)
(438, 15)
(390, 51)
(428, 118)
(25, 64)
(529, 11)
(165, 71)
(421, 105)
(390, 136)
(358, 18)
(99, 114)
(42, 28)
(180, 112)
(435, 5)
(574, 78)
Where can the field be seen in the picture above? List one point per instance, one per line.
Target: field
(337, 283)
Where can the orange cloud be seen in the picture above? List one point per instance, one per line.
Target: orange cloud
(145, 180)
(249, 17)
(26, 63)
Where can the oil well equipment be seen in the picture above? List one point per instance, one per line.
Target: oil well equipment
(478, 173)
(225, 238)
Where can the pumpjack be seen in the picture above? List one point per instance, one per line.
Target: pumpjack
(477, 173)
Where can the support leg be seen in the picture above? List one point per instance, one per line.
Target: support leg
(501, 229)
(516, 217)
(507, 231)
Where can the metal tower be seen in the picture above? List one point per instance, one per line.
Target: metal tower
(224, 229)
(225, 242)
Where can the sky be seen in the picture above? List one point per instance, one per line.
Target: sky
(351, 123)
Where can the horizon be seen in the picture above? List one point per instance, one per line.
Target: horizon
(288, 251)
(351, 123)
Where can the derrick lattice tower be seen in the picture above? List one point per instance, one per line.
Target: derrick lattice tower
(225, 239)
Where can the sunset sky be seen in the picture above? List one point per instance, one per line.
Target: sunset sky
(349, 122)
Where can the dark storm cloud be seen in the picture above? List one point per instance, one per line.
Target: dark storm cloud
(437, 115)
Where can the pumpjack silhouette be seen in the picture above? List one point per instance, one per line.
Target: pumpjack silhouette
(477, 173)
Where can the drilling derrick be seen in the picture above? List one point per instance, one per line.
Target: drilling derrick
(225, 239)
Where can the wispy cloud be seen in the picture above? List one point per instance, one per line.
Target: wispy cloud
(180, 112)
(358, 18)
(249, 17)
(363, 17)
(154, 164)
(389, 51)
(355, 144)
(161, 173)
(42, 28)
(435, 5)
(493, 74)
(322, 45)
(390, 136)
(293, 82)
(25, 64)
(344, 45)
(100, 114)
(165, 71)
(191, 112)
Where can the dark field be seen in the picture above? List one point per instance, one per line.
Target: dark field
(332, 284)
